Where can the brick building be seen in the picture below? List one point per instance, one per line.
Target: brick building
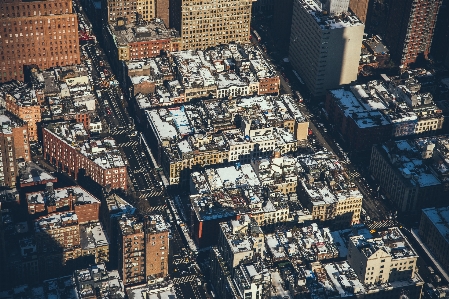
(143, 248)
(44, 33)
(13, 145)
(156, 247)
(74, 198)
(58, 240)
(24, 102)
(131, 250)
(410, 31)
(68, 146)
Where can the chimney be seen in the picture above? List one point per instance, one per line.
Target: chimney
(49, 188)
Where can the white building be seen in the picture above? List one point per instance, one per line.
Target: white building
(324, 49)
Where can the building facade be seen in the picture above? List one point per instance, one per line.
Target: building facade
(204, 24)
(409, 188)
(324, 49)
(359, 8)
(43, 33)
(102, 162)
(411, 25)
(156, 247)
(387, 258)
(13, 145)
(432, 230)
(127, 12)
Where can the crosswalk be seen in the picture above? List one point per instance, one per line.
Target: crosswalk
(184, 279)
(129, 143)
(119, 131)
(152, 193)
(382, 224)
(179, 261)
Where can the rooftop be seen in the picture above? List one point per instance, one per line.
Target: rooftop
(407, 158)
(147, 31)
(55, 221)
(97, 281)
(8, 121)
(51, 197)
(157, 224)
(103, 152)
(392, 241)
(92, 236)
(327, 21)
(440, 219)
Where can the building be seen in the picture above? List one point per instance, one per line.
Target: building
(58, 288)
(140, 41)
(403, 177)
(143, 248)
(94, 242)
(31, 175)
(58, 241)
(410, 31)
(325, 189)
(156, 247)
(282, 24)
(121, 12)
(325, 47)
(253, 281)
(131, 250)
(433, 231)
(307, 243)
(74, 198)
(386, 258)
(68, 147)
(360, 9)
(222, 22)
(370, 113)
(241, 240)
(97, 282)
(14, 145)
(267, 125)
(54, 44)
(24, 102)
(361, 127)
(159, 290)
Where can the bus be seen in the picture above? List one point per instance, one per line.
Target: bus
(257, 35)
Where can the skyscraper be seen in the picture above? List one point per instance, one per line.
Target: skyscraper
(325, 44)
(410, 31)
(208, 23)
(44, 33)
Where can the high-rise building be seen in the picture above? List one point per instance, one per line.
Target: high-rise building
(142, 248)
(43, 33)
(410, 31)
(156, 247)
(359, 8)
(324, 45)
(433, 232)
(129, 11)
(131, 250)
(208, 23)
(13, 145)
(282, 24)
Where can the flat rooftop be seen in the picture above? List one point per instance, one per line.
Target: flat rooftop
(326, 21)
(440, 219)
(147, 31)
